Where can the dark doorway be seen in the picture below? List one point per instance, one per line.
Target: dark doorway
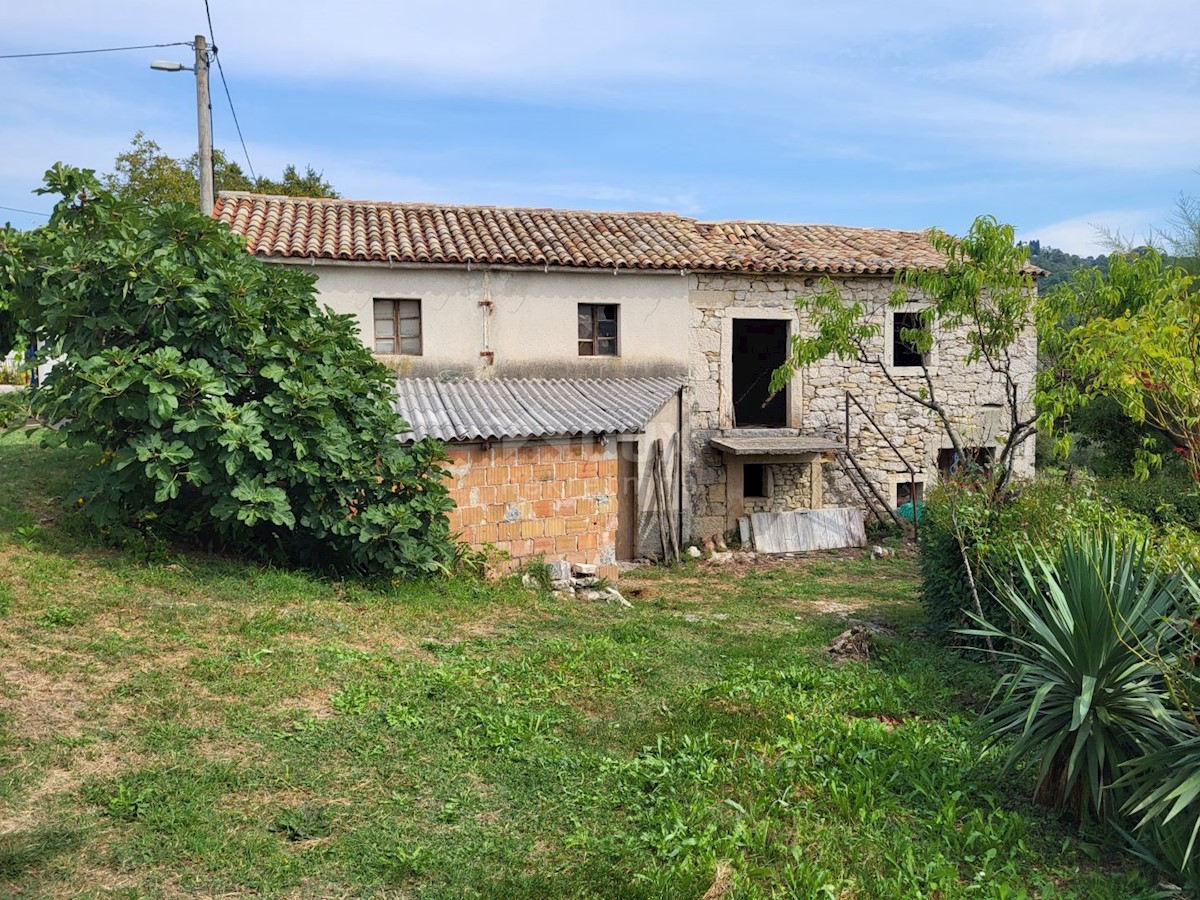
(759, 348)
(627, 499)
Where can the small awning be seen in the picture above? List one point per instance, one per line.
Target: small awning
(773, 445)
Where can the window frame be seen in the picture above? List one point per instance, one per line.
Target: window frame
(396, 318)
(596, 338)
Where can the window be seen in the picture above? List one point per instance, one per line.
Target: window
(398, 327)
(974, 460)
(906, 350)
(754, 480)
(597, 329)
(904, 490)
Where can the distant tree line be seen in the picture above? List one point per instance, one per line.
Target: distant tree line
(1061, 265)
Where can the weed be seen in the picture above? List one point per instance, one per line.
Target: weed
(125, 802)
(59, 617)
(303, 823)
(535, 571)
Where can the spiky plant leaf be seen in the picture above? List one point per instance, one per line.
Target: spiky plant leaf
(1083, 696)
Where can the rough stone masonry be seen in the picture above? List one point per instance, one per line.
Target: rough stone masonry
(973, 394)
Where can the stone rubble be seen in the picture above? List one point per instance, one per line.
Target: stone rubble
(578, 580)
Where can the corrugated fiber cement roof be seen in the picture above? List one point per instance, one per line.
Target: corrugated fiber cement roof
(493, 409)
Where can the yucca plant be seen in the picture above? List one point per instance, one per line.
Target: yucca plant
(1163, 787)
(1083, 696)
(1164, 793)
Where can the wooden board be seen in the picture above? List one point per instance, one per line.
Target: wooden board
(810, 529)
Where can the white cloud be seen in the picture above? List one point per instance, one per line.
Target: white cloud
(951, 94)
(1083, 235)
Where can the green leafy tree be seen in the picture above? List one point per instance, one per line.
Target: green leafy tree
(985, 291)
(225, 403)
(146, 174)
(1130, 337)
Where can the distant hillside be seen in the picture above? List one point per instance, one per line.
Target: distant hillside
(1061, 264)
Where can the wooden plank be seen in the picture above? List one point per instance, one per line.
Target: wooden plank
(815, 529)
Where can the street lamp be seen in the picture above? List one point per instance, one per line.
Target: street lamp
(203, 116)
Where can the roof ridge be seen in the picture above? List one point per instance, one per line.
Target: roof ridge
(422, 204)
(774, 224)
(563, 210)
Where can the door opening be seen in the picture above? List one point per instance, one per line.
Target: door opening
(759, 348)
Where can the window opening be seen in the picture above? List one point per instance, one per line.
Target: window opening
(398, 327)
(754, 480)
(904, 491)
(973, 459)
(905, 349)
(597, 329)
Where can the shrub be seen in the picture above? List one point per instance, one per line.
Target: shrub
(228, 407)
(1040, 513)
(14, 408)
(1084, 697)
(1167, 497)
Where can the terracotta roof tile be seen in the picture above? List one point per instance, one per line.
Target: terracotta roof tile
(285, 227)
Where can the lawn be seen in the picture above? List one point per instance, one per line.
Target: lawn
(176, 724)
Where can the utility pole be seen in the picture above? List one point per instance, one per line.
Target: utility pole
(204, 126)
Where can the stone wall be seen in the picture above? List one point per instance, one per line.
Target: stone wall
(816, 397)
(555, 499)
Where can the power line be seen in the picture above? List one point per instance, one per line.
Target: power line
(98, 50)
(28, 212)
(228, 96)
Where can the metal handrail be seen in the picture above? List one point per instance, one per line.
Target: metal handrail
(912, 474)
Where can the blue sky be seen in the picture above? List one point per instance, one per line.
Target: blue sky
(1055, 115)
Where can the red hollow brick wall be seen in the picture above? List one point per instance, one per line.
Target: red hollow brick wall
(555, 499)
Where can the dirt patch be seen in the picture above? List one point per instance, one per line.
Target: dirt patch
(722, 882)
(94, 761)
(56, 782)
(315, 705)
(831, 607)
(41, 707)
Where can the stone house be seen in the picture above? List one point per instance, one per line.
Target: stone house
(601, 378)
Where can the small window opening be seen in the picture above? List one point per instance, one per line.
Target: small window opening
(398, 327)
(906, 350)
(754, 480)
(904, 492)
(597, 329)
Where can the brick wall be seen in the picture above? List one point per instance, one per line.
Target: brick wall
(556, 499)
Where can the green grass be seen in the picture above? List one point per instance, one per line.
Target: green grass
(172, 724)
